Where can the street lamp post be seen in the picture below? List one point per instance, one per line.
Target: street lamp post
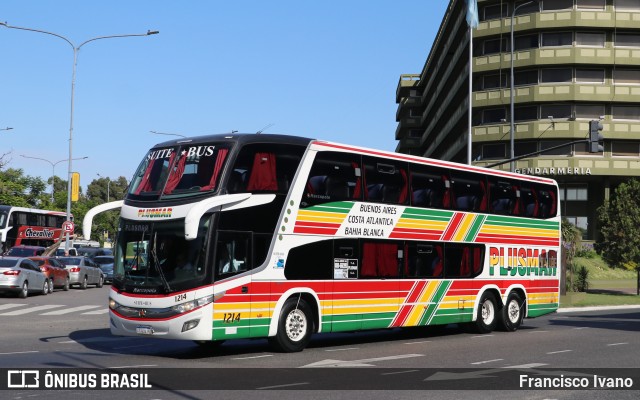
(108, 185)
(511, 92)
(53, 169)
(76, 49)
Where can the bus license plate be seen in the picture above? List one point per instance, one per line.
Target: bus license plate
(144, 330)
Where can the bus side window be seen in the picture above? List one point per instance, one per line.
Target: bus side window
(379, 260)
(386, 181)
(428, 187)
(468, 192)
(463, 261)
(333, 177)
(504, 197)
(232, 254)
(424, 260)
(264, 168)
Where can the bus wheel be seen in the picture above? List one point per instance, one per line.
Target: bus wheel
(294, 326)
(487, 313)
(512, 313)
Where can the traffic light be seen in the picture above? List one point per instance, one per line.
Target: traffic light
(595, 137)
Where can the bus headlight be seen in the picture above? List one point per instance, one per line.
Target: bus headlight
(113, 304)
(192, 305)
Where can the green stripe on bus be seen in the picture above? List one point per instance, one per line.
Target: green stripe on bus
(434, 302)
(530, 223)
(339, 207)
(475, 228)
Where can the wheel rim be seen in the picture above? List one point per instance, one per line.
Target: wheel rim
(50, 288)
(513, 311)
(488, 312)
(296, 325)
(25, 289)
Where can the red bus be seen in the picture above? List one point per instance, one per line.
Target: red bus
(29, 226)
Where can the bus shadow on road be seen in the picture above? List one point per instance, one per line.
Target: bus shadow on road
(101, 340)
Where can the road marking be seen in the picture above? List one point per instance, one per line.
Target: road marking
(487, 361)
(282, 386)
(424, 341)
(249, 358)
(581, 327)
(538, 331)
(401, 372)
(96, 312)
(345, 349)
(20, 352)
(135, 366)
(617, 344)
(481, 336)
(96, 339)
(32, 310)
(532, 365)
(70, 310)
(358, 363)
(13, 305)
(559, 351)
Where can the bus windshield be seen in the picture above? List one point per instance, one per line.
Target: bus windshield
(180, 171)
(155, 257)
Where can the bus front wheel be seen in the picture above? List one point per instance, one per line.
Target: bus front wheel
(295, 326)
(512, 313)
(487, 313)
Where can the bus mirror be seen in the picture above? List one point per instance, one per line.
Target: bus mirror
(88, 217)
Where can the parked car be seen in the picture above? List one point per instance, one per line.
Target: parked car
(25, 251)
(21, 276)
(92, 252)
(106, 265)
(54, 270)
(83, 271)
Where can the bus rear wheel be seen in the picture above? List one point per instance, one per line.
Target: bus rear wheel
(487, 313)
(512, 313)
(295, 326)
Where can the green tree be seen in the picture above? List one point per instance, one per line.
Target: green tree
(619, 219)
(16, 189)
(571, 240)
(105, 224)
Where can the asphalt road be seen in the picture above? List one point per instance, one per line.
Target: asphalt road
(71, 330)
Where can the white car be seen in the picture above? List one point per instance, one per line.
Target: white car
(83, 271)
(22, 276)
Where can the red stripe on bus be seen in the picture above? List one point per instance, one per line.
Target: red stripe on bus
(453, 226)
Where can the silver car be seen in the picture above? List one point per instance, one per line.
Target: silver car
(83, 272)
(22, 276)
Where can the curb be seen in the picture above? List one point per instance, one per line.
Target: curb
(597, 308)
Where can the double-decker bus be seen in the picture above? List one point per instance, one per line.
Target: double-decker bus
(245, 236)
(29, 226)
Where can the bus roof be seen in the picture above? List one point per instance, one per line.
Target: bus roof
(31, 210)
(319, 144)
(247, 138)
(239, 138)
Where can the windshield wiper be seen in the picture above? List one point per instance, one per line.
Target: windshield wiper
(156, 263)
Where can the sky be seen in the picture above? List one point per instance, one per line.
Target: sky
(321, 69)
